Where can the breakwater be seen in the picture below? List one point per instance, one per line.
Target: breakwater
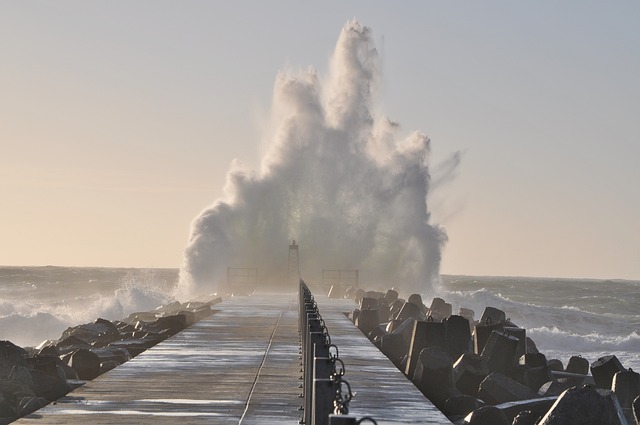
(489, 370)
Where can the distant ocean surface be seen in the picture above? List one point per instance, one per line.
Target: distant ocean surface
(564, 317)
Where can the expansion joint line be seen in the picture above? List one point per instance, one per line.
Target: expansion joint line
(255, 380)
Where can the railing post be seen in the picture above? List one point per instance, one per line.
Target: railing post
(322, 385)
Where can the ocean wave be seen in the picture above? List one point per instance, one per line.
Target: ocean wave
(31, 329)
(29, 323)
(568, 318)
(559, 339)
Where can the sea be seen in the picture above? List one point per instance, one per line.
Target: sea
(564, 317)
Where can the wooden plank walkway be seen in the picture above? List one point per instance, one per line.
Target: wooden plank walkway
(239, 366)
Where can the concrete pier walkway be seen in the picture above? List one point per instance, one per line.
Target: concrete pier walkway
(240, 366)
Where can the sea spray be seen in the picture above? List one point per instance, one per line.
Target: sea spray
(337, 178)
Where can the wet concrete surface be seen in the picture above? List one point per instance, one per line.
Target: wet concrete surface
(240, 366)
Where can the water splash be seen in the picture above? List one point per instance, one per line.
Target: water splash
(336, 178)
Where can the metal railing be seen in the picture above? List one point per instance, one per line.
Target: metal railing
(325, 393)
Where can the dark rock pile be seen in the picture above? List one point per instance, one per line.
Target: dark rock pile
(30, 378)
(488, 371)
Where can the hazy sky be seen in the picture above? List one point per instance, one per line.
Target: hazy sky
(118, 121)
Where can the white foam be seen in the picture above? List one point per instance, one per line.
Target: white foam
(339, 179)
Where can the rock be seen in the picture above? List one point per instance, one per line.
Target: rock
(500, 352)
(406, 330)
(636, 409)
(467, 313)
(10, 356)
(170, 308)
(22, 375)
(47, 364)
(536, 377)
(7, 410)
(481, 333)
(612, 400)
(30, 404)
(458, 337)
(553, 388)
(526, 417)
(360, 293)
(337, 291)
(533, 360)
(85, 363)
(69, 372)
(498, 388)
(626, 385)
(390, 296)
(461, 405)
(117, 354)
(141, 316)
(99, 333)
(493, 315)
(168, 325)
(468, 372)
(49, 387)
(582, 406)
(538, 406)
(409, 310)
(392, 347)
(416, 299)
(377, 333)
(440, 309)
(368, 304)
(425, 334)
(13, 391)
(392, 325)
(578, 365)
(202, 312)
(521, 335)
(604, 369)
(395, 307)
(108, 365)
(135, 346)
(354, 315)
(367, 321)
(190, 316)
(486, 415)
(531, 346)
(71, 343)
(434, 375)
(555, 365)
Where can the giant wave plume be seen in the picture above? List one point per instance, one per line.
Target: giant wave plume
(337, 177)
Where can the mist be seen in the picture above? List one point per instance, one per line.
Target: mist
(338, 177)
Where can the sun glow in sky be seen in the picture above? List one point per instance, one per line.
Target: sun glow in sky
(118, 122)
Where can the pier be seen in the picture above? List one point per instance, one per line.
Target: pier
(241, 366)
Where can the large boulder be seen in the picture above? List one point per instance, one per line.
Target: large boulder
(583, 406)
(498, 388)
(167, 325)
(10, 356)
(434, 375)
(458, 336)
(578, 364)
(86, 364)
(604, 369)
(486, 415)
(367, 320)
(468, 372)
(98, 334)
(538, 406)
(49, 387)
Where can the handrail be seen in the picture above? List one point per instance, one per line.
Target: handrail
(325, 393)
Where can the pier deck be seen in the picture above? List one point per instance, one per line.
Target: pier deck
(240, 366)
